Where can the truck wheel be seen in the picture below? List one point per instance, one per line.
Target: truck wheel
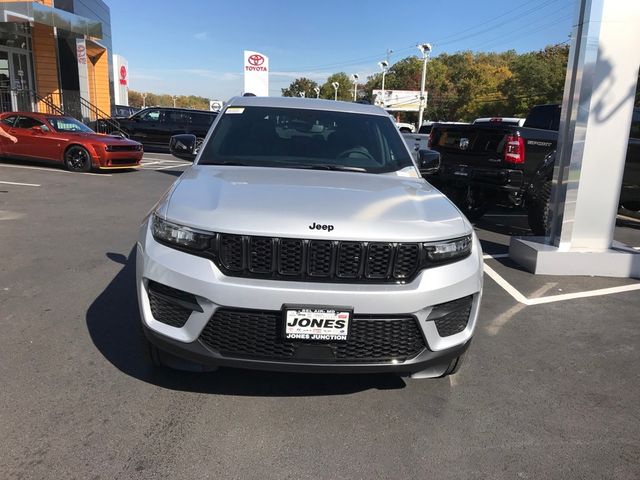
(538, 211)
(473, 203)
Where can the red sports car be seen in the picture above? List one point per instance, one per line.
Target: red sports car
(64, 139)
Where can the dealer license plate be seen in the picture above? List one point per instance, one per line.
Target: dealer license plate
(317, 324)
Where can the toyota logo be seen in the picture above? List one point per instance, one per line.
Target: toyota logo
(255, 60)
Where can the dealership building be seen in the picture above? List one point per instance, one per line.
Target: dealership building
(56, 56)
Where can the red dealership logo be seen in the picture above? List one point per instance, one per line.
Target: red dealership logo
(123, 75)
(255, 63)
(256, 60)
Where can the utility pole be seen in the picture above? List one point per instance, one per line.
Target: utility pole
(144, 100)
(335, 86)
(317, 90)
(174, 101)
(425, 48)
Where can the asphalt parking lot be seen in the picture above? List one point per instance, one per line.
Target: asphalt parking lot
(550, 387)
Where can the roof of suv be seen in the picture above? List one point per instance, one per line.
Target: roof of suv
(306, 103)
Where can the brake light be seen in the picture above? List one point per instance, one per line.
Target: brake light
(514, 149)
(430, 141)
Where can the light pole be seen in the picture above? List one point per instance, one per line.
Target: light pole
(144, 100)
(335, 86)
(317, 90)
(355, 86)
(303, 94)
(425, 48)
(174, 101)
(384, 65)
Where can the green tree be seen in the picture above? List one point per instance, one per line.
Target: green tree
(166, 100)
(300, 85)
(135, 99)
(345, 90)
(538, 77)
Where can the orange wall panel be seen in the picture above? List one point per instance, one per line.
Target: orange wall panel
(45, 62)
(100, 82)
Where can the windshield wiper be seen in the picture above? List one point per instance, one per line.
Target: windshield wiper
(327, 166)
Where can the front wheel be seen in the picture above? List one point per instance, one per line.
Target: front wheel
(77, 159)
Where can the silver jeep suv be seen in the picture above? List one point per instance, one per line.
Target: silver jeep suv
(304, 239)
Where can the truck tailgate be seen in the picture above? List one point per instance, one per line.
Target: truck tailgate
(474, 154)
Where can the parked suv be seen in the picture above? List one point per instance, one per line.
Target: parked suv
(304, 239)
(153, 127)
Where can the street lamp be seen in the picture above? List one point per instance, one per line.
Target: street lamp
(174, 101)
(425, 48)
(335, 86)
(384, 66)
(144, 100)
(355, 86)
(303, 94)
(317, 90)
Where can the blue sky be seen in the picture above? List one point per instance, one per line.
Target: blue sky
(196, 46)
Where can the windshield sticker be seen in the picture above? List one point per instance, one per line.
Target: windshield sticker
(235, 110)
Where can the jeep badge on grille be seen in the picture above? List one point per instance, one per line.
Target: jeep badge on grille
(317, 226)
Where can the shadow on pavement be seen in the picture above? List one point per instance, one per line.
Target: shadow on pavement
(113, 322)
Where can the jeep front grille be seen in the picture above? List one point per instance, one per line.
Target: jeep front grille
(314, 260)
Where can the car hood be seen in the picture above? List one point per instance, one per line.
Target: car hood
(106, 139)
(286, 202)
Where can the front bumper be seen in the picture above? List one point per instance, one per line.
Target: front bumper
(213, 290)
(116, 160)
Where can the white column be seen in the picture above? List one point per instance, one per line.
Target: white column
(592, 143)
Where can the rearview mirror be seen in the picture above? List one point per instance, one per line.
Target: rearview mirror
(428, 162)
(183, 146)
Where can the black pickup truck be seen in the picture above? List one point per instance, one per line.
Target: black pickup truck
(512, 165)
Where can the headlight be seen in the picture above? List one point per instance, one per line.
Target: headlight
(179, 235)
(446, 251)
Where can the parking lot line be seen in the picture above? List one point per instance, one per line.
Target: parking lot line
(173, 166)
(54, 170)
(21, 184)
(586, 294)
(519, 297)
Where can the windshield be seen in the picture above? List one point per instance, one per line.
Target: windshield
(68, 124)
(297, 138)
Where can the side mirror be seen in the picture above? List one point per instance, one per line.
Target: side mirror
(38, 129)
(428, 162)
(183, 146)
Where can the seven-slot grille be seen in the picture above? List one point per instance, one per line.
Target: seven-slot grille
(315, 260)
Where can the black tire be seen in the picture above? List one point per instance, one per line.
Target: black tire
(538, 211)
(454, 366)
(473, 203)
(77, 159)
